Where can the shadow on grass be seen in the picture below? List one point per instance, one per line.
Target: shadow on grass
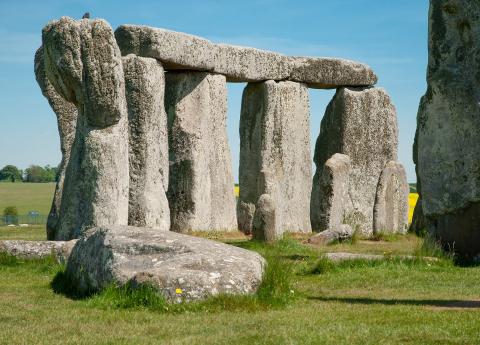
(454, 304)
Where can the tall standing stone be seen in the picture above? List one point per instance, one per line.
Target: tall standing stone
(275, 156)
(67, 115)
(201, 182)
(360, 123)
(83, 63)
(148, 143)
(448, 127)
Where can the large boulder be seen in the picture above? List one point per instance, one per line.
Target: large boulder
(83, 63)
(360, 123)
(201, 182)
(275, 154)
(448, 127)
(34, 250)
(181, 267)
(148, 143)
(67, 115)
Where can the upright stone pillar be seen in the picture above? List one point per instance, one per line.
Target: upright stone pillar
(275, 157)
(201, 182)
(67, 115)
(360, 123)
(448, 128)
(83, 63)
(148, 143)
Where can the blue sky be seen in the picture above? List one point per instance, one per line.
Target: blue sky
(390, 36)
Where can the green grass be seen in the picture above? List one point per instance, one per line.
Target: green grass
(31, 233)
(389, 302)
(27, 196)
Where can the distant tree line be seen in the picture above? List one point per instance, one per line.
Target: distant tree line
(34, 173)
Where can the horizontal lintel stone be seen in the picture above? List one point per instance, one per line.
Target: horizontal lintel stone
(180, 51)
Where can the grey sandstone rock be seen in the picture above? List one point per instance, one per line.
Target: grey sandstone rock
(148, 143)
(448, 127)
(66, 113)
(250, 64)
(181, 267)
(340, 233)
(176, 50)
(360, 123)
(329, 73)
(330, 202)
(83, 63)
(201, 181)
(38, 249)
(264, 226)
(390, 213)
(275, 154)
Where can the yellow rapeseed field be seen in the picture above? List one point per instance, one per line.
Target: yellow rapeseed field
(412, 201)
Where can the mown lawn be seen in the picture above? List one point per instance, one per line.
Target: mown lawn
(388, 302)
(27, 196)
(30, 233)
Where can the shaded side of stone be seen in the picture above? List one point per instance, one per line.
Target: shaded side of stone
(275, 154)
(448, 126)
(148, 143)
(66, 113)
(360, 123)
(201, 182)
(264, 220)
(83, 63)
(390, 214)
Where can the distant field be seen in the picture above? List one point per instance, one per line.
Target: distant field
(27, 196)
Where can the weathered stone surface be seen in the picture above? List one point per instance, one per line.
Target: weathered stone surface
(419, 224)
(250, 64)
(201, 181)
(330, 73)
(390, 213)
(340, 233)
(176, 50)
(330, 202)
(38, 249)
(449, 127)
(264, 226)
(83, 63)
(360, 123)
(181, 267)
(275, 154)
(67, 114)
(148, 143)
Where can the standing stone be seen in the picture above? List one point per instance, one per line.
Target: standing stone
(390, 213)
(67, 114)
(264, 220)
(360, 123)
(201, 182)
(148, 143)
(448, 126)
(275, 154)
(83, 63)
(330, 202)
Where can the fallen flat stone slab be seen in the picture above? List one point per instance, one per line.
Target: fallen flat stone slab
(342, 256)
(181, 267)
(177, 50)
(330, 73)
(38, 249)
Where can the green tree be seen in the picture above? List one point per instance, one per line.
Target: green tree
(10, 211)
(36, 173)
(10, 173)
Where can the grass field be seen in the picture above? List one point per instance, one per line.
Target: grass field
(27, 196)
(389, 302)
